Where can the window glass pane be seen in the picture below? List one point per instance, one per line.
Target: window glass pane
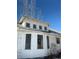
(34, 26)
(58, 40)
(27, 24)
(40, 27)
(40, 41)
(45, 28)
(48, 42)
(28, 41)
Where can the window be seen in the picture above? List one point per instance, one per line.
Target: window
(34, 26)
(40, 27)
(45, 28)
(27, 24)
(58, 40)
(40, 42)
(28, 41)
(48, 42)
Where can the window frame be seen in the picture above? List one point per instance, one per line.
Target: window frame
(40, 45)
(34, 26)
(48, 42)
(58, 40)
(29, 42)
(45, 28)
(40, 27)
(28, 25)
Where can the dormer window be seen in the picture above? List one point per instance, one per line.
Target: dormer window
(28, 25)
(45, 28)
(40, 27)
(34, 26)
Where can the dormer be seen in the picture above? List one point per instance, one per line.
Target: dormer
(30, 23)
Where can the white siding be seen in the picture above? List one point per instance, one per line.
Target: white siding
(33, 52)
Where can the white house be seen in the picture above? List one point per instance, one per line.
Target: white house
(35, 39)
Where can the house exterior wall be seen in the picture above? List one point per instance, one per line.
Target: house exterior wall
(33, 52)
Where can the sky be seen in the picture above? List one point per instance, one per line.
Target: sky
(51, 12)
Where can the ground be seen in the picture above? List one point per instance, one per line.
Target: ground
(57, 56)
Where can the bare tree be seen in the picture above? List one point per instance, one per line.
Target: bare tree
(53, 49)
